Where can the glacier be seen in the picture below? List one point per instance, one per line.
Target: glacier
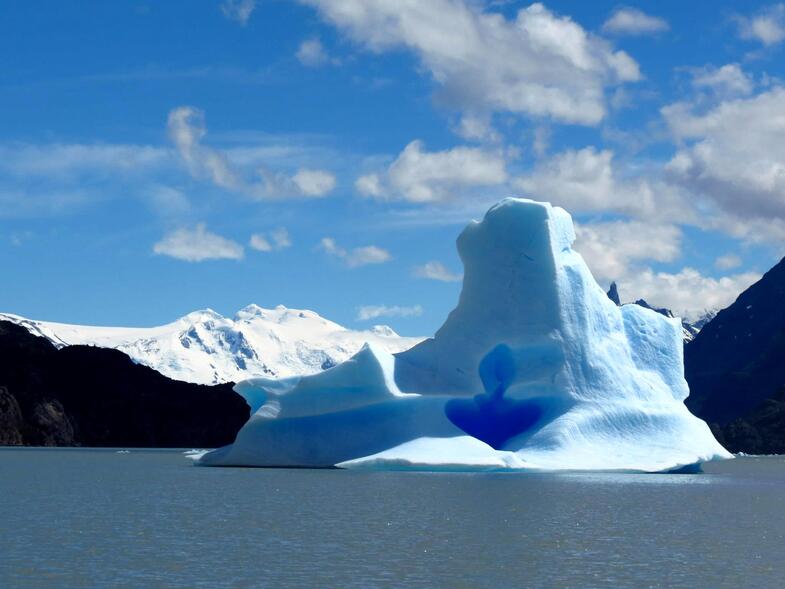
(536, 369)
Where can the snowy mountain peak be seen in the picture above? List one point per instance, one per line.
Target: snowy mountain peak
(207, 348)
(203, 315)
(384, 331)
(250, 312)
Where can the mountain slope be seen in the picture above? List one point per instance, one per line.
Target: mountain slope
(206, 348)
(761, 431)
(738, 359)
(87, 396)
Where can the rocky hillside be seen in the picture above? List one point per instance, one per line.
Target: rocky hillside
(738, 359)
(736, 368)
(87, 396)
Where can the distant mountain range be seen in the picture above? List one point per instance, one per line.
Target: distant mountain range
(205, 347)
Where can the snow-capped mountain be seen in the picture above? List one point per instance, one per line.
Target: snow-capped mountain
(207, 348)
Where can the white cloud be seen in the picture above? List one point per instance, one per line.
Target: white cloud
(186, 126)
(359, 256)
(260, 243)
(728, 262)
(197, 245)
(585, 180)
(281, 238)
(612, 248)
(767, 26)
(727, 80)
(313, 182)
(369, 312)
(733, 158)
(536, 64)
(477, 128)
(311, 53)
(238, 10)
(688, 292)
(369, 185)
(436, 271)
(541, 141)
(277, 239)
(420, 176)
(621, 251)
(632, 21)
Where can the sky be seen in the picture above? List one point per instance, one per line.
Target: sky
(162, 157)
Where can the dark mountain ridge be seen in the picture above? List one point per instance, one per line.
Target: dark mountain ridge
(738, 359)
(88, 396)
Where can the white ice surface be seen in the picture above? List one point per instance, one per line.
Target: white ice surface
(535, 369)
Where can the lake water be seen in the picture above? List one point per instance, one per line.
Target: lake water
(98, 518)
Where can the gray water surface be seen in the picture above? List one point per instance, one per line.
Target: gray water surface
(98, 518)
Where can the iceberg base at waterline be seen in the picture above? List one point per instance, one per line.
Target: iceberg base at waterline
(534, 370)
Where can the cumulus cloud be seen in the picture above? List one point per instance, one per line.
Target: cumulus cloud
(277, 239)
(369, 312)
(476, 127)
(733, 157)
(622, 251)
(766, 27)
(728, 80)
(311, 53)
(551, 66)
(197, 245)
(632, 21)
(585, 180)
(611, 249)
(238, 10)
(313, 182)
(688, 293)
(260, 243)
(369, 185)
(434, 270)
(359, 256)
(417, 175)
(186, 127)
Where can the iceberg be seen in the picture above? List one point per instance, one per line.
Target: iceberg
(536, 369)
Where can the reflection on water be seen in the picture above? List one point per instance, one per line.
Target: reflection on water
(87, 518)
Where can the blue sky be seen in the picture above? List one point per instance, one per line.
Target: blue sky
(159, 157)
